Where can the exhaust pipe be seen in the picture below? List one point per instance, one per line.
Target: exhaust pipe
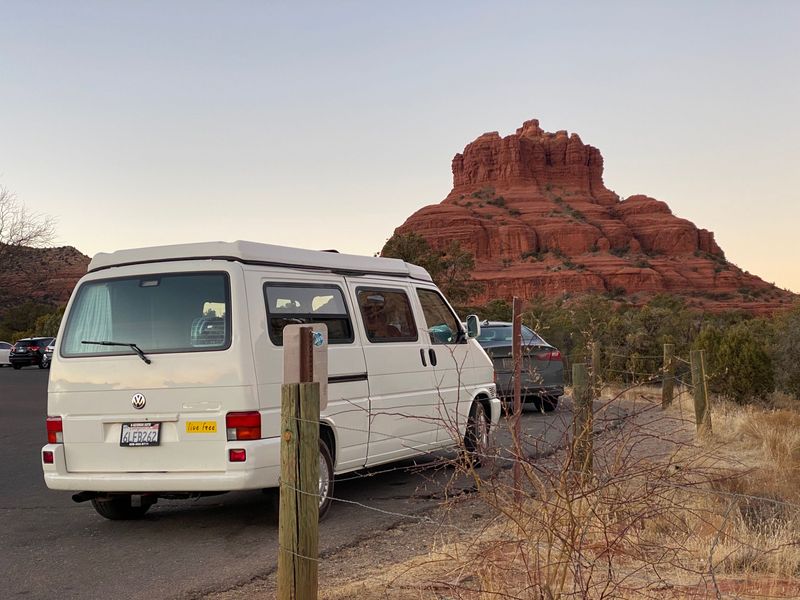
(84, 496)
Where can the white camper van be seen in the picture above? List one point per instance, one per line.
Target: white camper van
(166, 381)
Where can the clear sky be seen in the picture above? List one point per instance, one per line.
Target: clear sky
(326, 124)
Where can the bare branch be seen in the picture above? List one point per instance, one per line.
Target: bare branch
(21, 228)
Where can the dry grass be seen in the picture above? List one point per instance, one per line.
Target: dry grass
(663, 516)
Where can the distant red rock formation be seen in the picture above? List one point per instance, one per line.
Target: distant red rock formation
(45, 275)
(534, 211)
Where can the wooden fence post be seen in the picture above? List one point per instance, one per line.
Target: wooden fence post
(582, 421)
(298, 520)
(668, 381)
(702, 408)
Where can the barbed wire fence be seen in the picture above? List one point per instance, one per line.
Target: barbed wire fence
(629, 527)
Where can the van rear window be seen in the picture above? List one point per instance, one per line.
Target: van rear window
(289, 304)
(183, 312)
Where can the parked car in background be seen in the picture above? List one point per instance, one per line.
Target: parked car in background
(542, 370)
(5, 350)
(48, 354)
(29, 351)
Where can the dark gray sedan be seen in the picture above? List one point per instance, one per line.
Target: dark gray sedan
(542, 380)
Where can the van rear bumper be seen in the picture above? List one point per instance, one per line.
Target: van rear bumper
(260, 470)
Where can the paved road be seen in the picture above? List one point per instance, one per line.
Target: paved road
(51, 547)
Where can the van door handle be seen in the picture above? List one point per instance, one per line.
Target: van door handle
(432, 356)
(422, 356)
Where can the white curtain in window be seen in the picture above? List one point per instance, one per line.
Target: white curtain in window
(91, 320)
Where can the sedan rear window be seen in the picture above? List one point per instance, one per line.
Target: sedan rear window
(505, 333)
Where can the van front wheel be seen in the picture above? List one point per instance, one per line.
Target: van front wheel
(120, 508)
(325, 479)
(476, 438)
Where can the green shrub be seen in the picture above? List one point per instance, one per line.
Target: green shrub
(21, 320)
(573, 266)
(485, 193)
(451, 267)
(497, 310)
(744, 355)
(787, 353)
(533, 255)
(48, 324)
(620, 251)
(738, 361)
(615, 293)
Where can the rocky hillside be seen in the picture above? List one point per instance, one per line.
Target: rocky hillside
(44, 275)
(534, 211)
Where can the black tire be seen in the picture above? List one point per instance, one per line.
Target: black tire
(476, 437)
(119, 508)
(16, 367)
(43, 364)
(549, 403)
(325, 479)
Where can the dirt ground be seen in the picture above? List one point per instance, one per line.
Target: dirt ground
(414, 560)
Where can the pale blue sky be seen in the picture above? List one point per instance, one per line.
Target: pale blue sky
(326, 124)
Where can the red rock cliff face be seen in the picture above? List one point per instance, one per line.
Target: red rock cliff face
(45, 275)
(534, 211)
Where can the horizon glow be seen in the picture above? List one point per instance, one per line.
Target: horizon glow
(326, 125)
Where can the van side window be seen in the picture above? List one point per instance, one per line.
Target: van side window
(387, 315)
(443, 326)
(289, 303)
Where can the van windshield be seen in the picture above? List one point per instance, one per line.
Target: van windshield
(158, 313)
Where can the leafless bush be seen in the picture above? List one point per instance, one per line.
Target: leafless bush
(661, 515)
(19, 227)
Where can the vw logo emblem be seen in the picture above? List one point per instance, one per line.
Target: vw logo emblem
(138, 401)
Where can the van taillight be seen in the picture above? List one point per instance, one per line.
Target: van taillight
(55, 431)
(237, 455)
(243, 425)
(552, 355)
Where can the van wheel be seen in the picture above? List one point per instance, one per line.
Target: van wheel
(325, 479)
(476, 438)
(119, 508)
(17, 367)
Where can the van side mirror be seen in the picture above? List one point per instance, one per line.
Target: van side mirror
(473, 326)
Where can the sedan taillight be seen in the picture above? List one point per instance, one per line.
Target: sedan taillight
(551, 355)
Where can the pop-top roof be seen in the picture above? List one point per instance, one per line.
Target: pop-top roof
(264, 254)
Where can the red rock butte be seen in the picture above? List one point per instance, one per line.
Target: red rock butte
(533, 210)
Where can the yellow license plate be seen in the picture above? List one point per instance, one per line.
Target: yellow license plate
(201, 427)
